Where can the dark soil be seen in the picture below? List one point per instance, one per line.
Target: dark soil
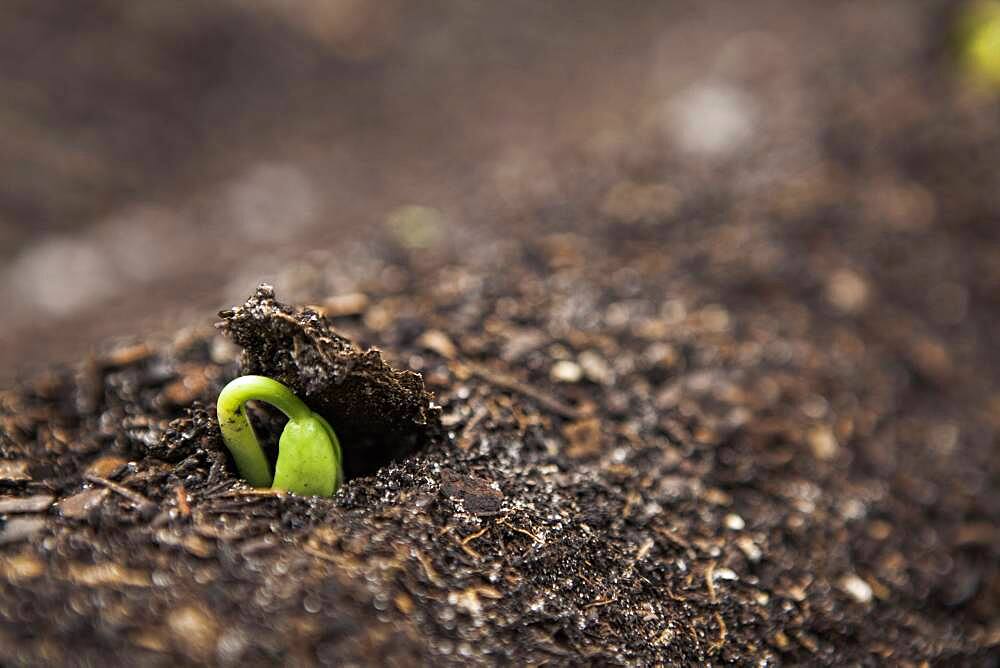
(695, 413)
(723, 472)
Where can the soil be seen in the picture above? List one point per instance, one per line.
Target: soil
(688, 412)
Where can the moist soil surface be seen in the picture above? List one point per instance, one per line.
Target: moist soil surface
(695, 416)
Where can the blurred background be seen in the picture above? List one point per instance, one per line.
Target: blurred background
(160, 158)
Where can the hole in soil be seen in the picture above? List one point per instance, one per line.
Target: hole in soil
(363, 453)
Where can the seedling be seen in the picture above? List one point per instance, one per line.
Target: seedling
(309, 459)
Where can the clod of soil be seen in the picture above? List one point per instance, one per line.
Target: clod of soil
(379, 413)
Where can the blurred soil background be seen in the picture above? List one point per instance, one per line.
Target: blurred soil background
(160, 158)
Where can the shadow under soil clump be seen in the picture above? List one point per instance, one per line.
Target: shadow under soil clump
(379, 413)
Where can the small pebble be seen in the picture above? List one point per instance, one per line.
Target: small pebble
(856, 588)
(847, 291)
(105, 467)
(353, 303)
(823, 443)
(127, 355)
(565, 371)
(735, 522)
(79, 505)
(595, 368)
(749, 549)
(438, 342)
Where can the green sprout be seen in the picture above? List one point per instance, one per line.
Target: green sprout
(980, 36)
(309, 460)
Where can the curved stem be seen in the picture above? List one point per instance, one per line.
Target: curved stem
(237, 431)
(261, 388)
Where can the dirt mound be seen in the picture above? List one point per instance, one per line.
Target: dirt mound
(380, 413)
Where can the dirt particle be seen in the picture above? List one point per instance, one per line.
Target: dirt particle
(105, 574)
(879, 529)
(823, 443)
(437, 341)
(195, 631)
(338, 306)
(932, 360)
(25, 504)
(23, 566)
(520, 343)
(468, 599)
(856, 588)
(565, 371)
(713, 318)
(404, 603)
(847, 291)
(232, 645)
(105, 467)
(14, 471)
(127, 355)
(20, 528)
(80, 505)
(151, 639)
(190, 386)
(595, 368)
(192, 543)
(717, 497)
(380, 316)
(749, 548)
(584, 437)
(477, 495)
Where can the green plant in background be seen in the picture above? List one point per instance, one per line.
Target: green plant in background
(980, 40)
(309, 459)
